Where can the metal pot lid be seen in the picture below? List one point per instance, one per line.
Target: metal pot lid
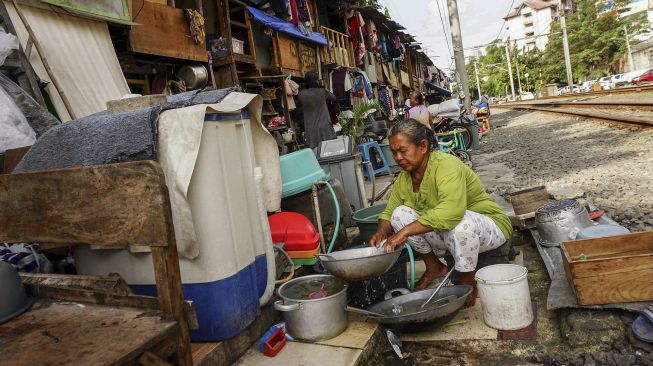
(557, 210)
(312, 288)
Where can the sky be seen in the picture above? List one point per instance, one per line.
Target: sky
(480, 22)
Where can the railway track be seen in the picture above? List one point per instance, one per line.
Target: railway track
(631, 89)
(607, 111)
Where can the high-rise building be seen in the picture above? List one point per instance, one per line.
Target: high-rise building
(529, 23)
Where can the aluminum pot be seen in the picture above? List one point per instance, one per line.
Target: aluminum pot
(194, 76)
(13, 298)
(313, 319)
(560, 221)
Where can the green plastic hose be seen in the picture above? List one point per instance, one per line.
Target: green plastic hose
(411, 257)
(335, 231)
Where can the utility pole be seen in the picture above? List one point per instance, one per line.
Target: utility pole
(459, 53)
(478, 84)
(565, 43)
(512, 83)
(631, 64)
(518, 77)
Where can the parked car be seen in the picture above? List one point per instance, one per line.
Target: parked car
(586, 86)
(645, 78)
(566, 89)
(617, 81)
(527, 96)
(605, 82)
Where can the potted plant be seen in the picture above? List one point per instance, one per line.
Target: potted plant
(356, 124)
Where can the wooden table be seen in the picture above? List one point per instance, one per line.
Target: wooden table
(67, 333)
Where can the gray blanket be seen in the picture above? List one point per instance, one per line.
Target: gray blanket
(104, 138)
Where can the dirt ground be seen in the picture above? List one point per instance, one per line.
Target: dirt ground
(608, 165)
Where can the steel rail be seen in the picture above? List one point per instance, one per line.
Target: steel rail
(637, 105)
(630, 89)
(631, 120)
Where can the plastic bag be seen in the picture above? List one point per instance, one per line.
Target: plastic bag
(14, 130)
(37, 116)
(8, 43)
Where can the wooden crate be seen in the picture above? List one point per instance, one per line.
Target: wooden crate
(529, 200)
(524, 203)
(163, 31)
(617, 269)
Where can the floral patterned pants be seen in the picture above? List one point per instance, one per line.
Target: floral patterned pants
(474, 234)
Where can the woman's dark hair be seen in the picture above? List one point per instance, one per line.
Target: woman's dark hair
(419, 97)
(415, 131)
(310, 80)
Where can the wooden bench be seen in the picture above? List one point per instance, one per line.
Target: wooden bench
(112, 205)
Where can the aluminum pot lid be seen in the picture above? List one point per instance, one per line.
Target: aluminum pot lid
(311, 288)
(557, 210)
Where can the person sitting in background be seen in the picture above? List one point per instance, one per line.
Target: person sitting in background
(418, 110)
(438, 205)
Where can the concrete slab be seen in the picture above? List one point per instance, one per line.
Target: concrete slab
(302, 354)
(356, 336)
(474, 328)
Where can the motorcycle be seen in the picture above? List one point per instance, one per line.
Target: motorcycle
(451, 115)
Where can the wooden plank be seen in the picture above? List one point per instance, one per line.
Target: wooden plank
(250, 38)
(150, 359)
(612, 245)
(52, 333)
(288, 53)
(529, 200)
(169, 291)
(238, 24)
(13, 157)
(163, 31)
(104, 298)
(614, 288)
(87, 205)
(112, 284)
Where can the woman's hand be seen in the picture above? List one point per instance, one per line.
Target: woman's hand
(378, 238)
(395, 240)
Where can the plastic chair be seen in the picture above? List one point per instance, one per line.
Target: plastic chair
(372, 153)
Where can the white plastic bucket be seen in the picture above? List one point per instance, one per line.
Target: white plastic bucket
(505, 297)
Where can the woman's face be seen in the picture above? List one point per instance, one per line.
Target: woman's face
(408, 155)
(413, 101)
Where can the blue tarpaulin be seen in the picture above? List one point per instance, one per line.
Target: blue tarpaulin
(285, 27)
(438, 89)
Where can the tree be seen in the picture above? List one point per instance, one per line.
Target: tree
(596, 42)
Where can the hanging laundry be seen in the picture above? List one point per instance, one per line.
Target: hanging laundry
(304, 15)
(294, 17)
(356, 29)
(372, 36)
(370, 67)
(341, 83)
(292, 89)
(384, 47)
(367, 85)
(384, 100)
(359, 86)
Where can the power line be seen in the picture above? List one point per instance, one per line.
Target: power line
(504, 20)
(444, 29)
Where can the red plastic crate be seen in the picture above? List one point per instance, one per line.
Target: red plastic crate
(294, 229)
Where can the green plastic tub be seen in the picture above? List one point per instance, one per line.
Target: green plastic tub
(298, 172)
(367, 221)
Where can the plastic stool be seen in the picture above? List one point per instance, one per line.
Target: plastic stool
(372, 152)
